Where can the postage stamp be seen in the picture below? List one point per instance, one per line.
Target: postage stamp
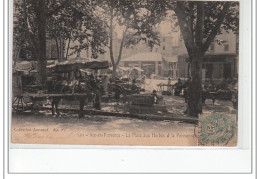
(218, 129)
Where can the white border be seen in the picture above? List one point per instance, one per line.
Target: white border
(160, 160)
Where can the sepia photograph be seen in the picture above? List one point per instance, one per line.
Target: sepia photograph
(125, 72)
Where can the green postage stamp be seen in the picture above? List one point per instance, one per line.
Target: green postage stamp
(217, 129)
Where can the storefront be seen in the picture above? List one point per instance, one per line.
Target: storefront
(150, 63)
(214, 67)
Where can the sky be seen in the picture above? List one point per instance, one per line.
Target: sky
(164, 28)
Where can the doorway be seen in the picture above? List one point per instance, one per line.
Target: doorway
(227, 71)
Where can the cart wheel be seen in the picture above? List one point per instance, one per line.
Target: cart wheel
(19, 105)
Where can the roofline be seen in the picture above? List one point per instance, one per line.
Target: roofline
(126, 59)
(209, 55)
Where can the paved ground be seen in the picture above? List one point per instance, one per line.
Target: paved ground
(105, 130)
(175, 106)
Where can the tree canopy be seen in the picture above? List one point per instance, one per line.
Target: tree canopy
(137, 21)
(200, 22)
(65, 20)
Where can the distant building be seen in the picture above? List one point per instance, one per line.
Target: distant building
(161, 60)
(153, 64)
(220, 61)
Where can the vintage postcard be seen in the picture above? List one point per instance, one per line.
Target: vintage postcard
(120, 72)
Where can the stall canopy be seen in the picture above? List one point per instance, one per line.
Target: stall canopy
(23, 68)
(138, 69)
(171, 59)
(121, 68)
(77, 64)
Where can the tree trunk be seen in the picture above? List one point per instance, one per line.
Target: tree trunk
(61, 49)
(111, 44)
(67, 52)
(57, 48)
(68, 47)
(195, 86)
(114, 72)
(41, 22)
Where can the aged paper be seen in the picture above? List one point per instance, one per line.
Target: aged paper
(138, 73)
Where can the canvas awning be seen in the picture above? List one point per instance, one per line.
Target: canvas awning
(23, 66)
(171, 59)
(138, 69)
(121, 68)
(76, 64)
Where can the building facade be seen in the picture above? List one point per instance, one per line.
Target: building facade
(154, 65)
(220, 61)
(160, 61)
